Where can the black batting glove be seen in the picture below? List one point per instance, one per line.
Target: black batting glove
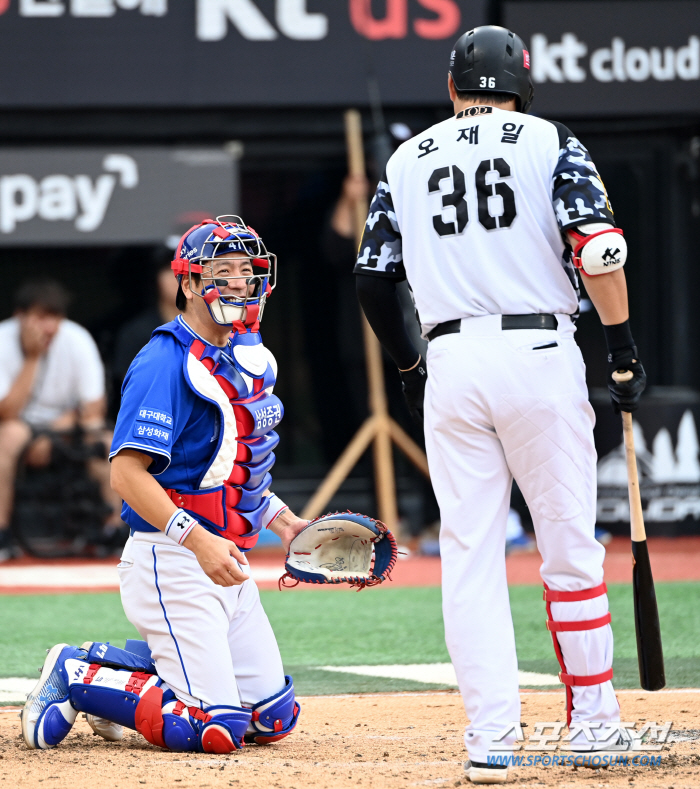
(622, 356)
(413, 384)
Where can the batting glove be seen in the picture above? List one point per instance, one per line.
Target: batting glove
(622, 355)
(413, 384)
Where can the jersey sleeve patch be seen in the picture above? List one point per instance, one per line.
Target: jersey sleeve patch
(380, 249)
(143, 430)
(578, 192)
(163, 418)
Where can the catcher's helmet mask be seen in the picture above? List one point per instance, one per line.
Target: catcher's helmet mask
(197, 251)
(492, 59)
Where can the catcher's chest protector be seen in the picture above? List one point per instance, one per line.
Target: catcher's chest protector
(239, 380)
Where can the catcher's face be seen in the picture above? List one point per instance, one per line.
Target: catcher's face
(235, 269)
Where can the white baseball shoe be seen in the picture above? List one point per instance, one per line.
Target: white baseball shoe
(482, 773)
(106, 729)
(48, 716)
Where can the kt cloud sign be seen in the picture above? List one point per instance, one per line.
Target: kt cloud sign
(636, 58)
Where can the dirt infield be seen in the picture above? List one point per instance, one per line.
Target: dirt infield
(383, 741)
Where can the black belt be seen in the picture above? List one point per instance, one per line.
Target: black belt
(540, 321)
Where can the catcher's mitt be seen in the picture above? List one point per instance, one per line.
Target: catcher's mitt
(342, 547)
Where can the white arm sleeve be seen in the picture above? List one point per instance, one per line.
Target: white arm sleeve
(277, 507)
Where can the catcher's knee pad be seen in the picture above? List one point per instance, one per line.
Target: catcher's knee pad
(275, 717)
(180, 725)
(225, 729)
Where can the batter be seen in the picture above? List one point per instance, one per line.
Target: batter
(489, 214)
(191, 458)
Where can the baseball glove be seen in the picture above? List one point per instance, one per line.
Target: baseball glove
(342, 547)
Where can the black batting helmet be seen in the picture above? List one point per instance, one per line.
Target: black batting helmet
(491, 59)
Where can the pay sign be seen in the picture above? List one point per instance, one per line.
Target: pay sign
(96, 196)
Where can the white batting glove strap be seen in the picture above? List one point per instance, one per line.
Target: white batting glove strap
(277, 507)
(179, 526)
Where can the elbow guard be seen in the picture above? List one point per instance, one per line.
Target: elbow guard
(598, 248)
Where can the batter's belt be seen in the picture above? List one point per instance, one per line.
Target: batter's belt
(538, 321)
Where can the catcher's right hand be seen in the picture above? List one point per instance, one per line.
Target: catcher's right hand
(413, 384)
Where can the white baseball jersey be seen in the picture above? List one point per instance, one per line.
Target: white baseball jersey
(70, 374)
(472, 211)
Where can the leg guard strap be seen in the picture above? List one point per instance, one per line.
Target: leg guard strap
(553, 596)
(583, 624)
(583, 681)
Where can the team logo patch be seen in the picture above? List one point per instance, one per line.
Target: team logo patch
(146, 414)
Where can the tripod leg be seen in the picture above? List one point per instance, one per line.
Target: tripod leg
(341, 468)
(409, 447)
(385, 481)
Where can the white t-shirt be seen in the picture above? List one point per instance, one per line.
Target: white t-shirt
(472, 212)
(69, 375)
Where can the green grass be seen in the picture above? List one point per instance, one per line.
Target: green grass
(378, 626)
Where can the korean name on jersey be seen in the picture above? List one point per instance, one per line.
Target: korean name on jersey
(472, 211)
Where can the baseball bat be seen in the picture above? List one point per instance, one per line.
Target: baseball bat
(646, 612)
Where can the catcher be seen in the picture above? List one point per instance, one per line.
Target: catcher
(191, 457)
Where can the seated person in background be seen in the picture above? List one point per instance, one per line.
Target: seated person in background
(136, 333)
(51, 380)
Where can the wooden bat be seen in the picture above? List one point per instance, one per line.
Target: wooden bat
(646, 613)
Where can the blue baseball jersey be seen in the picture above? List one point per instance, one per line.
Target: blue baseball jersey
(163, 417)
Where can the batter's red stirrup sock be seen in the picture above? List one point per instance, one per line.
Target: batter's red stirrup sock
(571, 680)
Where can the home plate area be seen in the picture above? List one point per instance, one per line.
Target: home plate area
(385, 741)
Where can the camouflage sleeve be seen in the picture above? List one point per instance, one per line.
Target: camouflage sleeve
(380, 249)
(578, 193)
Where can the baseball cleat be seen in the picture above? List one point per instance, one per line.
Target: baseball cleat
(482, 773)
(602, 757)
(48, 716)
(106, 729)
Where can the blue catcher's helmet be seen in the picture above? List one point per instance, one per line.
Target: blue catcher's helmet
(212, 238)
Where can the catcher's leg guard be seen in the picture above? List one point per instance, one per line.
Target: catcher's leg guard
(48, 714)
(218, 729)
(121, 696)
(275, 717)
(136, 655)
(225, 729)
(571, 680)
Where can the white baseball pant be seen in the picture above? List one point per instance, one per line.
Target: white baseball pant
(497, 408)
(211, 644)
